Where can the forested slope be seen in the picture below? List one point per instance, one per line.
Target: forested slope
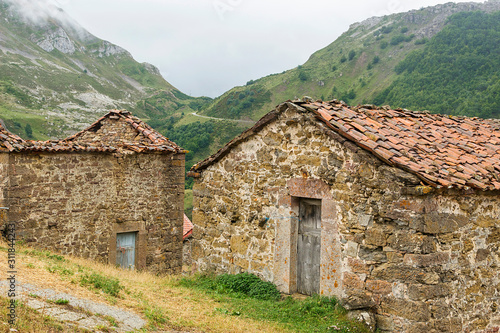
(458, 71)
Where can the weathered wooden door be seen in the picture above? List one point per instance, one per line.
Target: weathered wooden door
(309, 247)
(125, 249)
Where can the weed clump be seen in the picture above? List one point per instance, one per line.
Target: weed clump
(156, 316)
(247, 284)
(61, 301)
(110, 286)
(241, 285)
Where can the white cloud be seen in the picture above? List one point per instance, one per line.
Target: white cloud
(36, 11)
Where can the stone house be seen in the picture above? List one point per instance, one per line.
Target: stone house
(112, 192)
(396, 213)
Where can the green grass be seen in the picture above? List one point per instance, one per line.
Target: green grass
(44, 254)
(108, 285)
(61, 301)
(243, 295)
(246, 284)
(60, 269)
(156, 317)
(16, 121)
(189, 119)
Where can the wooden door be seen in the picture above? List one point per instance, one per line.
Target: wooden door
(125, 249)
(309, 247)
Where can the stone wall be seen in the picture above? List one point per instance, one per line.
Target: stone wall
(420, 259)
(75, 203)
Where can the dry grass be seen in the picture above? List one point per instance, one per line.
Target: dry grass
(143, 293)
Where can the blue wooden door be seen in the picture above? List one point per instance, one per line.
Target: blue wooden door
(125, 250)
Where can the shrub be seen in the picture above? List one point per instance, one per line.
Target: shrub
(29, 131)
(397, 39)
(303, 76)
(247, 284)
(421, 41)
(351, 55)
(386, 29)
(384, 44)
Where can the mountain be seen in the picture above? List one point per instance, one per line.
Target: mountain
(56, 77)
(457, 72)
(380, 59)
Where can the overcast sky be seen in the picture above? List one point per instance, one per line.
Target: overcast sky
(206, 47)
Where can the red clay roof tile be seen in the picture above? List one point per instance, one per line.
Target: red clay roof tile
(440, 149)
(111, 142)
(464, 146)
(187, 229)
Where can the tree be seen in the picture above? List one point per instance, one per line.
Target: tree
(29, 131)
(351, 55)
(303, 76)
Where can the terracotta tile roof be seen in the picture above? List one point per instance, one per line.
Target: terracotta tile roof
(99, 137)
(187, 228)
(9, 141)
(441, 150)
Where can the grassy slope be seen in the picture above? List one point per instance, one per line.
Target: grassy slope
(161, 300)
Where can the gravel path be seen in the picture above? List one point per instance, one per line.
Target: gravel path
(236, 120)
(78, 312)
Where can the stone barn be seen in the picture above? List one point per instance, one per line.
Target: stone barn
(394, 212)
(112, 192)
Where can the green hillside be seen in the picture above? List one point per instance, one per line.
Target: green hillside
(458, 71)
(364, 62)
(57, 78)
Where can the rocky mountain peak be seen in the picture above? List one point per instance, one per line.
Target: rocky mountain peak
(57, 39)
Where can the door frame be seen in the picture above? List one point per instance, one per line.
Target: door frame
(285, 249)
(140, 242)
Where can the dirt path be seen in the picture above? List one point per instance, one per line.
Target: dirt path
(236, 120)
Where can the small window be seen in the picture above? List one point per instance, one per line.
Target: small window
(125, 249)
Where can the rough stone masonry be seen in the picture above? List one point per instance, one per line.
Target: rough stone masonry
(417, 255)
(74, 196)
